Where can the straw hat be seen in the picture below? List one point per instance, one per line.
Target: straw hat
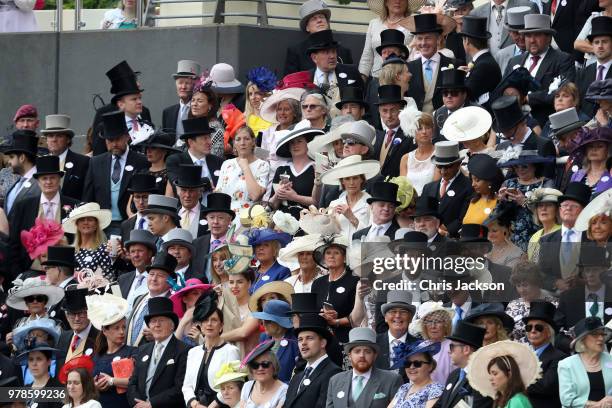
(281, 287)
(229, 372)
(602, 204)
(351, 166)
(522, 353)
(104, 310)
(104, 217)
(467, 123)
(424, 310)
(30, 287)
(306, 243)
(268, 107)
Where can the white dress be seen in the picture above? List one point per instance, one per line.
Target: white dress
(361, 211)
(113, 19)
(17, 16)
(420, 172)
(277, 399)
(88, 404)
(232, 182)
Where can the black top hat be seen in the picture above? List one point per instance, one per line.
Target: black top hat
(123, 81)
(508, 113)
(473, 233)
(592, 255)
(519, 78)
(60, 256)
(452, 79)
(142, 237)
(161, 306)
(219, 202)
(313, 322)
(390, 94)
(190, 176)
(23, 141)
(475, 27)
(601, 25)
(321, 40)
(383, 191)
(484, 167)
(74, 299)
(412, 240)
(541, 310)
(352, 94)
(426, 23)
(468, 333)
(165, 262)
(304, 303)
(120, 70)
(196, 127)
(114, 125)
(427, 205)
(491, 309)
(48, 165)
(142, 183)
(392, 38)
(162, 139)
(578, 192)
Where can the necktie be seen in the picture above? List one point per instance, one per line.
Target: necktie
(566, 246)
(157, 353)
(153, 366)
(10, 200)
(49, 213)
(553, 7)
(139, 322)
(534, 62)
(183, 112)
(307, 373)
(389, 137)
(358, 387)
(428, 71)
(594, 309)
(215, 244)
(141, 223)
(600, 70)
(139, 280)
(116, 170)
(75, 342)
(394, 343)
(324, 79)
(377, 230)
(62, 164)
(135, 125)
(458, 315)
(444, 187)
(499, 17)
(185, 220)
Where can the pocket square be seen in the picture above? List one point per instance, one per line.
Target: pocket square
(171, 361)
(380, 395)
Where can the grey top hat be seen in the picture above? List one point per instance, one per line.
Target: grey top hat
(361, 336)
(537, 23)
(143, 237)
(446, 153)
(159, 204)
(362, 132)
(187, 69)
(57, 124)
(565, 121)
(310, 8)
(515, 17)
(400, 299)
(178, 236)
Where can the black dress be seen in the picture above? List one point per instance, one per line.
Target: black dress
(161, 180)
(302, 184)
(52, 383)
(598, 388)
(203, 390)
(103, 364)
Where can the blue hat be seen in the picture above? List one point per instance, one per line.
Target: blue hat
(276, 311)
(258, 236)
(45, 324)
(33, 345)
(405, 350)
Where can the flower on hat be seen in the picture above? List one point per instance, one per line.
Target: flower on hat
(204, 82)
(42, 235)
(405, 192)
(555, 84)
(511, 153)
(233, 367)
(88, 279)
(263, 77)
(285, 222)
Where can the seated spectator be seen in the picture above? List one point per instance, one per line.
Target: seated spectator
(184, 79)
(417, 165)
(567, 96)
(229, 381)
(486, 181)
(599, 94)
(501, 224)
(266, 246)
(383, 203)
(122, 17)
(455, 95)
(519, 83)
(565, 127)
(594, 147)
(261, 83)
(42, 329)
(544, 205)
(352, 102)
(205, 104)
(515, 23)
(264, 368)
(398, 312)
(492, 317)
(582, 41)
(141, 186)
(79, 381)
(405, 213)
(184, 300)
(300, 252)
(157, 149)
(596, 220)
(316, 110)
(38, 357)
(179, 243)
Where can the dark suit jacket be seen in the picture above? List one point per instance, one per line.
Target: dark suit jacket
(543, 145)
(382, 358)
(10, 369)
(125, 283)
(549, 259)
(555, 63)
(172, 164)
(451, 209)
(98, 145)
(544, 393)
(451, 395)
(97, 181)
(390, 231)
(165, 389)
(569, 20)
(391, 166)
(344, 73)
(127, 226)
(484, 76)
(417, 87)
(74, 177)
(297, 60)
(66, 339)
(572, 306)
(314, 394)
(26, 192)
(170, 116)
(584, 78)
(200, 259)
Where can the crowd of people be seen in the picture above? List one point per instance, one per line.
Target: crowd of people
(246, 251)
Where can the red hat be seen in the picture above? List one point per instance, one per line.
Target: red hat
(25, 111)
(79, 362)
(300, 79)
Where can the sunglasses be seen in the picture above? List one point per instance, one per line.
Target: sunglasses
(415, 364)
(537, 327)
(264, 364)
(350, 142)
(35, 298)
(449, 92)
(312, 106)
(433, 322)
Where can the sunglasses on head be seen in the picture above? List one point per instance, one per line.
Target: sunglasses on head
(415, 363)
(537, 327)
(35, 298)
(450, 92)
(263, 364)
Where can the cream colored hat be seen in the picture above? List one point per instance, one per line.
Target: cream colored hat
(306, 243)
(322, 144)
(378, 6)
(268, 107)
(104, 310)
(602, 204)
(425, 309)
(351, 166)
(33, 286)
(467, 123)
(87, 210)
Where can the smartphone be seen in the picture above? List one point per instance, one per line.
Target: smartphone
(284, 178)
(115, 241)
(327, 305)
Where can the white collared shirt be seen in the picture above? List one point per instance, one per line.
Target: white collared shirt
(145, 224)
(383, 230)
(30, 173)
(320, 76)
(164, 344)
(181, 271)
(466, 306)
(122, 162)
(62, 158)
(435, 61)
(366, 378)
(479, 53)
(82, 335)
(137, 291)
(65, 282)
(194, 219)
(316, 363)
(205, 171)
(450, 183)
(528, 62)
(576, 236)
(44, 202)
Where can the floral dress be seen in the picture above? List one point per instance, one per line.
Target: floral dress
(233, 183)
(94, 259)
(418, 399)
(524, 226)
(517, 309)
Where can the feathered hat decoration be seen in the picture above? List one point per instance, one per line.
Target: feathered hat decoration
(204, 82)
(263, 77)
(318, 221)
(409, 119)
(92, 280)
(177, 284)
(405, 192)
(43, 234)
(285, 222)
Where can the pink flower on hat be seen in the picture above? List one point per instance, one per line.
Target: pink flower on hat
(43, 234)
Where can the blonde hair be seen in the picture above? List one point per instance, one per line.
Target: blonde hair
(225, 254)
(99, 239)
(385, 12)
(248, 108)
(426, 120)
(442, 315)
(389, 74)
(592, 221)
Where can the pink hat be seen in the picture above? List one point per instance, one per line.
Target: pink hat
(177, 297)
(41, 236)
(25, 111)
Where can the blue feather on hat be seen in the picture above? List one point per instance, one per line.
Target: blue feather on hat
(263, 77)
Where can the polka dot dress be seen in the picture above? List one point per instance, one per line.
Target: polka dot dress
(94, 258)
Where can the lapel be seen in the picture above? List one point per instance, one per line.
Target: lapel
(367, 395)
(126, 283)
(456, 388)
(167, 355)
(384, 349)
(346, 388)
(127, 174)
(106, 174)
(314, 376)
(64, 211)
(546, 63)
(29, 186)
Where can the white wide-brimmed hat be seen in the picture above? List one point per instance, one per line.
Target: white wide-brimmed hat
(104, 217)
(467, 123)
(306, 243)
(351, 166)
(224, 79)
(104, 310)
(525, 357)
(268, 107)
(602, 204)
(300, 129)
(322, 144)
(30, 287)
(425, 309)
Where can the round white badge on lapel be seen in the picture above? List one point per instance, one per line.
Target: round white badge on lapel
(284, 343)
(487, 210)
(340, 289)
(129, 167)
(53, 313)
(564, 3)
(307, 382)
(608, 311)
(0, 372)
(265, 278)
(27, 184)
(68, 165)
(449, 386)
(450, 193)
(605, 179)
(574, 168)
(216, 173)
(159, 179)
(340, 394)
(117, 358)
(88, 352)
(203, 222)
(342, 75)
(34, 405)
(88, 259)
(145, 359)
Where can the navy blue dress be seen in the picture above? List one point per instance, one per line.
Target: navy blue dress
(102, 364)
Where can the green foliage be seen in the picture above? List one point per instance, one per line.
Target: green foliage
(87, 4)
